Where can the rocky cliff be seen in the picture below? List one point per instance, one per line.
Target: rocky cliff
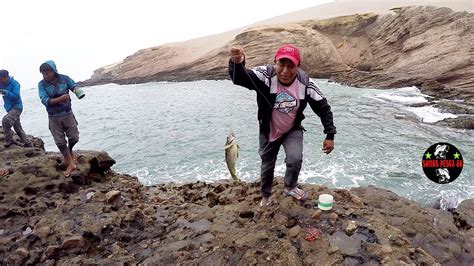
(428, 47)
(98, 216)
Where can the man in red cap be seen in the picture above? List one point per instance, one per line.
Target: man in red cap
(283, 91)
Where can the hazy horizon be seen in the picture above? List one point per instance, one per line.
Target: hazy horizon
(83, 36)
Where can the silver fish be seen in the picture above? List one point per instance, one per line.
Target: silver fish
(231, 154)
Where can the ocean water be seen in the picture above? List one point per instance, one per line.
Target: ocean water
(175, 132)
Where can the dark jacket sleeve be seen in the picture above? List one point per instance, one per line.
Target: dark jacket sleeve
(243, 76)
(321, 107)
(323, 110)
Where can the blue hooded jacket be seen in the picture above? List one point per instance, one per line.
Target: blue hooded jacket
(48, 90)
(11, 96)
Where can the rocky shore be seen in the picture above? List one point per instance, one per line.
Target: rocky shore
(98, 216)
(424, 46)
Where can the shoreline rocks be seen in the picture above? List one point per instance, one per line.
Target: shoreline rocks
(210, 223)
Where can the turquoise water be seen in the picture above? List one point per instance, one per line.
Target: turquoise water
(164, 132)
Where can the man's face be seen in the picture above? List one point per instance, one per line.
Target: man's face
(48, 75)
(286, 71)
(4, 80)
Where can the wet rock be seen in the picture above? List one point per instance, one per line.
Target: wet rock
(347, 245)
(293, 232)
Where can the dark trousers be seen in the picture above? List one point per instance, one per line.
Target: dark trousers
(12, 119)
(293, 144)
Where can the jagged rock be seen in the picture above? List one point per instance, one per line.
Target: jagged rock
(316, 214)
(112, 196)
(386, 249)
(51, 252)
(293, 232)
(74, 242)
(332, 249)
(351, 227)
(423, 46)
(357, 200)
(465, 214)
(280, 219)
(187, 227)
(22, 253)
(43, 232)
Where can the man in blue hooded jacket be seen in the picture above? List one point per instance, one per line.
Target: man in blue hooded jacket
(10, 89)
(54, 94)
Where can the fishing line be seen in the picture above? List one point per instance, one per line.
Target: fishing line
(251, 80)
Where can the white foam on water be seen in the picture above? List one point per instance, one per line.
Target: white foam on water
(449, 199)
(430, 114)
(355, 178)
(147, 178)
(404, 99)
(404, 96)
(323, 175)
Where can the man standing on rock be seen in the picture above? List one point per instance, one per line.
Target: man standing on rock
(54, 94)
(10, 89)
(283, 91)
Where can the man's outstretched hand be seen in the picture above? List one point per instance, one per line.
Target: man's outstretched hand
(328, 146)
(237, 55)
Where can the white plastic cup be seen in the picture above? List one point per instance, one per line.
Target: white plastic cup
(325, 202)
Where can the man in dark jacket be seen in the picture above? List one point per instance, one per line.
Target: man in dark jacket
(10, 89)
(283, 91)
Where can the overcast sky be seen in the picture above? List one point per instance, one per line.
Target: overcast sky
(82, 36)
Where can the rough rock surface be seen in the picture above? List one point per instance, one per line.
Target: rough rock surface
(427, 47)
(209, 224)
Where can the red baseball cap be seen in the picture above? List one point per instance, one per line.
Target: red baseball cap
(290, 52)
